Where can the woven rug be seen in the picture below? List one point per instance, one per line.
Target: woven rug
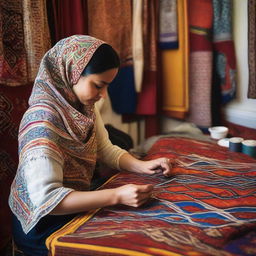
(207, 207)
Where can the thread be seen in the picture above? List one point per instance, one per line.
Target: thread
(249, 147)
(235, 144)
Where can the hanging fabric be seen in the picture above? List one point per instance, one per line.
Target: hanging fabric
(174, 70)
(13, 62)
(37, 35)
(137, 43)
(200, 66)
(224, 52)
(147, 98)
(24, 38)
(116, 29)
(252, 48)
(168, 31)
(69, 18)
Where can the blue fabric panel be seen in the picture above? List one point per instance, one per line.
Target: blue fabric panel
(122, 91)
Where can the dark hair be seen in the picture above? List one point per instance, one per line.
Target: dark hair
(104, 58)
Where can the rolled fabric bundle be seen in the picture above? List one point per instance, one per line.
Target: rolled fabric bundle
(249, 147)
(235, 144)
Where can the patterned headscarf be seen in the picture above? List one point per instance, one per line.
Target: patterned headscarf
(55, 127)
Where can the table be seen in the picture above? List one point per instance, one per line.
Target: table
(207, 207)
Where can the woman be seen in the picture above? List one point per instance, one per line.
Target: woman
(60, 138)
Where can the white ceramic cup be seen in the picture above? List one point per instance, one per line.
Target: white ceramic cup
(218, 132)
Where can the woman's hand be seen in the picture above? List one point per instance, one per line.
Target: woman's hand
(158, 165)
(133, 195)
(130, 163)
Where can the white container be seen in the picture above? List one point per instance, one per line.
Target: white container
(218, 132)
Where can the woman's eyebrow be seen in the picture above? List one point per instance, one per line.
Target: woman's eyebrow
(104, 82)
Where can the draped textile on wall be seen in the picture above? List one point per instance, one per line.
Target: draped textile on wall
(224, 52)
(252, 48)
(116, 29)
(137, 43)
(175, 67)
(212, 60)
(24, 38)
(200, 66)
(68, 18)
(147, 98)
(168, 32)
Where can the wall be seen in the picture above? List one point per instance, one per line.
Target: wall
(242, 110)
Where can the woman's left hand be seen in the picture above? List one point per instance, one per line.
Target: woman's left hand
(158, 165)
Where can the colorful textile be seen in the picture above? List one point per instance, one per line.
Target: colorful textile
(175, 69)
(168, 32)
(13, 66)
(36, 34)
(147, 99)
(53, 127)
(200, 64)
(116, 29)
(224, 51)
(207, 203)
(252, 48)
(24, 39)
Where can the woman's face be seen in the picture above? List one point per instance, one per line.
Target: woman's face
(92, 88)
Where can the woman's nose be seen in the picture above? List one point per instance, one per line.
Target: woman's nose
(103, 92)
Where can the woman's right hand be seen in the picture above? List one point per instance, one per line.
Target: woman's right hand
(133, 195)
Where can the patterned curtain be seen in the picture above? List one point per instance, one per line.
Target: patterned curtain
(24, 38)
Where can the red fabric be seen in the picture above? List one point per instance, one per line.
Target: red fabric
(228, 49)
(200, 13)
(147, 99)
(70, 18)
(13, 103)
(200, 63)
(152, 126)
(199, 43)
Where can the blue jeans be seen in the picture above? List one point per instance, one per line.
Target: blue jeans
(33, 243)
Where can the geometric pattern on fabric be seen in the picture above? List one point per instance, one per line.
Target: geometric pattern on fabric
(200, 91)
(24, 38)
(207, 203)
